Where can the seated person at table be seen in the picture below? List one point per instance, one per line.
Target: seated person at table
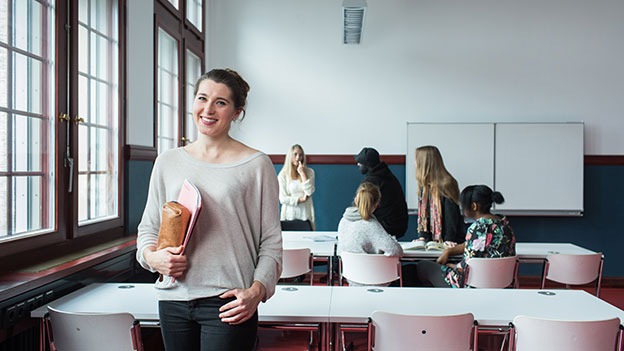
(439, 218)
(360, 232)
(489, 236)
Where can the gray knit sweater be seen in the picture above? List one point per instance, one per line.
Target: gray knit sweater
(237, 238)
(357, 235)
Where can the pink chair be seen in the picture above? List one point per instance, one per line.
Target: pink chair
(296, 262)
(390, 332)
(370, 269)
(88, 331)
(533, 334)
(497, 272)
(574, 269)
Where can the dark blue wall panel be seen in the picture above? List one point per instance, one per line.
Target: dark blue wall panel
(599, 229)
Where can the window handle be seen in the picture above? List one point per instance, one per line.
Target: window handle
(64, 117)
(78, 119)
(185, 140)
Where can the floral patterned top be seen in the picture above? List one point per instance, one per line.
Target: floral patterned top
(485, 238)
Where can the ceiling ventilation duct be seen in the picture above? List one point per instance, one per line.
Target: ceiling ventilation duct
(353, 20)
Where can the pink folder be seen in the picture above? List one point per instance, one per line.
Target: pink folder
(189, 197)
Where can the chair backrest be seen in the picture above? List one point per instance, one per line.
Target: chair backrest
(95, 332)
(296, 262)
(545, 334)
(408, 332)
(499, 272)
(370, 269)
(574, 269)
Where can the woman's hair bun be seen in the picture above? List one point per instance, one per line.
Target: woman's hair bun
(497, 197)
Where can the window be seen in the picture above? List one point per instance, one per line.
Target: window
(60, 73)
(180, 60)
(168, 86)
(98, 108)
(193, 72)
(27, 158)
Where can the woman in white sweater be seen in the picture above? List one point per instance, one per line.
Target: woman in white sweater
(360, 232)
(296, 186)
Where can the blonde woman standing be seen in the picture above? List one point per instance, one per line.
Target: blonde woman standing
(439, 218)
(296, 186)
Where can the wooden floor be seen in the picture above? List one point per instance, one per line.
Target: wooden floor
(272, 340)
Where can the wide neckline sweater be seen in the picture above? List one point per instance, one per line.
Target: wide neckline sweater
(237, 237)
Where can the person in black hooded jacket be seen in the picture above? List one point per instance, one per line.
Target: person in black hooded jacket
(392, 210)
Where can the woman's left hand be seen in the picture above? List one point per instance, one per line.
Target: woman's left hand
(246, 303)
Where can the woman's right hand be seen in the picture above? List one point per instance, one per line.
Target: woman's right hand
(167, 261)
(443, 258)
(301, 170)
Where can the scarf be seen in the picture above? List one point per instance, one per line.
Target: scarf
(429, 215)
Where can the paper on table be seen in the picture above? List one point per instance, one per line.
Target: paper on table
(321, 238)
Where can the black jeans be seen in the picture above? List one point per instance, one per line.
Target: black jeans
(196, 326)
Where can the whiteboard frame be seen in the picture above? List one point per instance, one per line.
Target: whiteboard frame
(464, 145)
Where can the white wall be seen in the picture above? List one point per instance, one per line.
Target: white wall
(140, 72)
(420, 60)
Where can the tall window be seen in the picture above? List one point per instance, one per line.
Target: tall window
(59, 120)
(27, 152)
(180, 60)
(193, 71)
(168, 87)
(98, 108)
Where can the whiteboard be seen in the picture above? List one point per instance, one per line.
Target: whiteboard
(467, 150)
(538, 167)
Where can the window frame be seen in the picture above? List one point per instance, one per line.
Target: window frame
(66, 234)
(175, 23)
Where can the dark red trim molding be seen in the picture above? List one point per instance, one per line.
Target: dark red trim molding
(140, 153)
(604, 160)
(340, 159)
(593, 160)
(147, 153)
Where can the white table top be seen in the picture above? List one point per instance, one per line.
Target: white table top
(138, 299)
(297, 304)
(293, 304)
(320, 243)
(491, 307)
(541, 250)
(529, 251)
(317, 304)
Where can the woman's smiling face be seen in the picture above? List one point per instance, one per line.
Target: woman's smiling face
(213, 109)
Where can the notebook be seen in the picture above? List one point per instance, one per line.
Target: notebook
(190, 198)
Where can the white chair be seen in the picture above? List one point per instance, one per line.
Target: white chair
(498, 273)
(370, 269)
(537, 334)
(94, 332)
(574, 269)
(390, 332)
(297, 262)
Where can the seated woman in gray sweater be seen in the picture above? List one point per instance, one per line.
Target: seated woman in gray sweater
(360, 232)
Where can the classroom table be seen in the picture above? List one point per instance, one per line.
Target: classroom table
(292, 305)
(526, 252)
(492, 308)
(331, 306)
(322, 244)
